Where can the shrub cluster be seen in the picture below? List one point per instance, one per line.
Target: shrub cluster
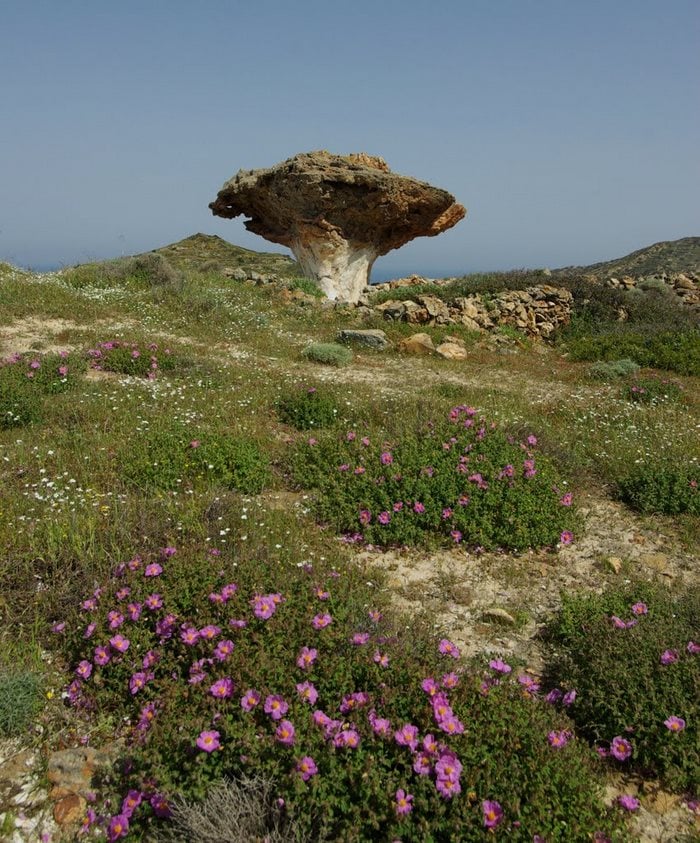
(168, 457)
(668, 488)
(633, 655)
(150, 270)
(25, 379)
(219, 674)
(613, 369)
(328, 353)
(652, 390)
(131, 358)
(461, 480)
(676, 351)
(306, 407)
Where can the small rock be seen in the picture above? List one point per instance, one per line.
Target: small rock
(496, 615)
(372, 338)
(69, 810)
(417, 344)
(614, 563)
(451, 351)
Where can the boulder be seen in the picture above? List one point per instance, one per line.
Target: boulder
(451, 351)
(417, 344)
(370, 337)
(337, 213)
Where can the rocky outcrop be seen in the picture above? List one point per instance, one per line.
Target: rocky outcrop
(337, 213)
(536, 311)
(685, 285)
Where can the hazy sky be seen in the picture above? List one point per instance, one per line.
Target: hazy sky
(569, 128)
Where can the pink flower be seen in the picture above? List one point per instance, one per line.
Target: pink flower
(447, 788)
(500, 666)
(448, 648)
(567, 499)
(306, 658)
(365, 516)
(559, 739)
(422, 764)
(285, 733)
(381, 659)
(153, 570)
(448, 766)
(386, 458)
(449, 680)
(189, 635)
(264, 606)
(120, 643)
(669, 656)
(167, 552)
(133, 610)
(222, 688)
(402, 802)
(674, 724)
(566, 537)
(407, 735)
(418, 508)
(359, 638)
(493, 813)
(137, 681)
(618, 623)
(307, 691)
(118, 827)
(347, 737)
(629, 803)
(321, 621)
(208, 740)
(84, 669)
(693, 648)
(620, 748)
(275, 706)
(229, 590)
(210, 632)
(384, 518)
(250, 699)
(306, 767)
(223, 650)
(452, 725)
(640, 608)
(153, 601)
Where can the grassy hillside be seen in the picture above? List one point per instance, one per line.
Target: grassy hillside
(667, 256)
(208, 251)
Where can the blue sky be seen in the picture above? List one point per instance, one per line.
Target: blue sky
(570, 130)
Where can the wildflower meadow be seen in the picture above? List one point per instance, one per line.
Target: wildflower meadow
(207, 534)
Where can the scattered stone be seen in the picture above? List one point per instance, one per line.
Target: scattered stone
(371, 337)
(614, 563)
(496, 615)
(69, 810)
(337, 213)
(417, 344)
(451, 351)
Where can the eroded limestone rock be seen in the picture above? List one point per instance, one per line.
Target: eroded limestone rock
(337, 213)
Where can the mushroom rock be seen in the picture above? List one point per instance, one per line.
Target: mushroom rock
(337, 213)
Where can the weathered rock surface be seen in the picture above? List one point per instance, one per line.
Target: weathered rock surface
(536, 311)
(417, 344)
(337, 213)
(370, 337)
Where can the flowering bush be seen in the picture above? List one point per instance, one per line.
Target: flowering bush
(652, 390)
(232, 671)
(26, 378)
(461, 480)
(306, 407)
(167, 457)
(664, 487)
(633, 655)
(130, 358)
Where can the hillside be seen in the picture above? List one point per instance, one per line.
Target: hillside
(214, 253)
(667, 256)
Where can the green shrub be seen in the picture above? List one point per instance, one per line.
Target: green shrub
(26, 378)
(611, 648)
(135, 359)
(307, 408)
(165, 658)
(20, 700)
(676, 351)
(306, 285)
(459, 480)
(613, 369)
(663, 487)
(652, 390)
(329, 353)
(168, 457)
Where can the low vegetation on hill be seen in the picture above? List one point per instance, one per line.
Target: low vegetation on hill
(201, 521)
